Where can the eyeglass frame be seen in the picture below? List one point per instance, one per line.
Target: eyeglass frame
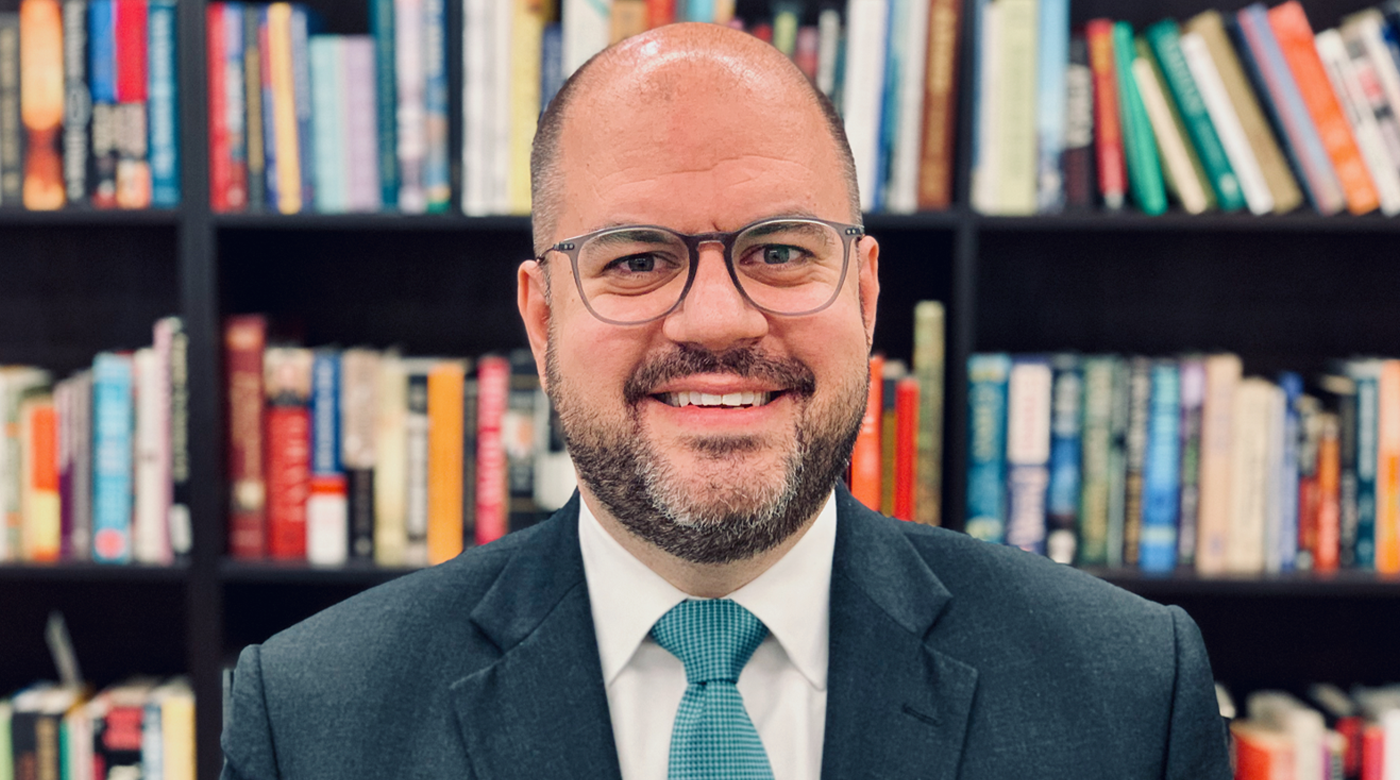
(570, 247)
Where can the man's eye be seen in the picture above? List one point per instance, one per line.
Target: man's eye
(635, 264)
(777, 254)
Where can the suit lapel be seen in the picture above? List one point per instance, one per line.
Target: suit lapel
(896, 706)
(540, 711)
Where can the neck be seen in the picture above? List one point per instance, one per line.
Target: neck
(701, 580)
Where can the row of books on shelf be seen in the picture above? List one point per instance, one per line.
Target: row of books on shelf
(95, 466)
(1183, 462)
(1247, 110)
(301, 121)
(141, 727)
(1329, 734)
(88, 105)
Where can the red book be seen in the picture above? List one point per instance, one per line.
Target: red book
(244, 339)
(1372, 752)
(1295, 38)
(906, 431)
(493, 388)
(763, 31)
(865, 459)
(131, 50)
(287, 379)
(1108, 129)
(1260, 753)
(660, 12)
(220, 154)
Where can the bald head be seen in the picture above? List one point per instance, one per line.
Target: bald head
(681, 97)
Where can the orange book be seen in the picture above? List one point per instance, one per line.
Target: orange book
(42, 534)
(660, 12)
(865, 459)
(906, 430)
(1388, 471)
(41, 102)
(1327, 538)
(446, 383)
(1261, 753)
(1295, 38)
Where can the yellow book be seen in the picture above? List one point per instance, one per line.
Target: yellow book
(445, 439)
(527, 32)
(391, 467)
(176, 700)
(284, 109)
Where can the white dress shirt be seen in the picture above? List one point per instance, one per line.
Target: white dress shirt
(783, 685)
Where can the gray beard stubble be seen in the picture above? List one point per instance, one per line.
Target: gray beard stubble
(639, 487)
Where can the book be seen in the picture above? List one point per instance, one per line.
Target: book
(1326, 548)
(906, 392)
(1139, 422)
(586, 29)
(254, 123)
(1108, 128)
(1255, 403)
(359, 436)
(271, 169)
(1387, 524)
(1096, 441)
(43, 528)
(1078, 156)
(102, 81)
(1053, 63)
(437, 178)
(928, 370)
(892, 372)
(1287, 539)
(446, 384)
(493, 386)
(328, 123)
(41, 102)
(245, 337)
(228, 167)
(133, 174)
(1183, 176)
(1144, 167)
(1283, 188)
(1066, 419)
(1028, 412)
(867, 22)
(151, 519)
(391, 464)
(287, 382)
(866, 456)
(300, 29)
(906, 65)
(987, 376)
(1294, 34)
(526, 34)
(1223, 375)
(939, 104)
(1376, 81)
(416, 450)
(1366, 374)
(16, 383)
(410, 75)
(381, 17)
(77, 102)
(1016, 118)
(11, 126)
(1356, 108)
(112, 425)
(986, 80)
(1309, 499)
(1193, 396)
(327, 503)
(163, 104)
(363, 192)
(1248, 174)
(281, 109)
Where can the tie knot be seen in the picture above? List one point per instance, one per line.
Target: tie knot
(713, 638)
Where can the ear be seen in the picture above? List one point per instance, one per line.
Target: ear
(533, 302)
(868, 278)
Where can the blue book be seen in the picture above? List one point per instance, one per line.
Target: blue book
(1066, 420)
(1028, 405)
(162, 106)
(551, 63)
(1052, 53)
(112, 427)
(325, 413)
(328, 123)
(437, 175)
(102, 51)
(1287, 539)
(301, 93)
(700, 10)
(889, 103)
(269, 112)
(1367, 375)
(987, 377)
(1161, 472)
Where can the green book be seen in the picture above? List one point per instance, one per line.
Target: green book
(1164, 38)
(1096, 442)
(1198, 171)
(1139, 147)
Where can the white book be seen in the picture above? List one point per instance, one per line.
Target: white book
(555, 481)
(1369, 29)
(903, 192)
(1390, 759)
(363, 192)
(416, 468)
(1356, 106)
(150, 529)
(1273, 481)
(587, 26)
(327, 522)
(1370, 79)
(1227, 124)
(986, 176)
(1249, 471)
(78, 757)
(410, 72)
(1028, 412)
(828, 45)
(499, 110)
(477, 62)
(391, 464)
(1217, 459)
(1018, 28)
(864, 89)
(1175, 157)
(1304, 726)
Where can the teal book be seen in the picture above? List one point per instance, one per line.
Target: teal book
(987, 377)
(381, 19)
(328, 123)
(1161, 474)
(1164, 38)
(162, 106)
(112, 424)
(1139, 146)
(1367, 375)
(1062, 503)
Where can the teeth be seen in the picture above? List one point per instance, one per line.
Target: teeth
(693, 398)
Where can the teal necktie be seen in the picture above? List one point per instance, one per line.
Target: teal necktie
(713, 738)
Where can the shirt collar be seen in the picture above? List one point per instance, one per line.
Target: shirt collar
(792, 597)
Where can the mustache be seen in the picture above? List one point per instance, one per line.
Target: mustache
(789, 373)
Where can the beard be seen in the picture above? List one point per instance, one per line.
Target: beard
(721, 511)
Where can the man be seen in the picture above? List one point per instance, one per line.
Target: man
(713, 604)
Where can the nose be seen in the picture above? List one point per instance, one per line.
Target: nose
(714, 314)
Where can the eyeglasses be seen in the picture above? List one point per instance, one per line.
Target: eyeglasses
(639, 273)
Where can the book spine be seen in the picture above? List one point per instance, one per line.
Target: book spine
(894, 371)
(102, 50)
(174, 342)
(586, 27)
(416, 474)
(164, 112)
(386, 100)
(228, 103)
(1367, 377)
(470, 399)
(527, 30)
(865, 458)
(287, 381)
(272, 174)
(493, 384)
(411, 132)
(151, 524)
(829, 52)
(283, 108)
(1261, 52)
(1327, 540)
(477, 62)
(551, 63)
(327, 520)
(1295, 39)
(1387, 525)
(1172, 144)
(357, 97)
(437, 178)
(77, 101)
(82, 438)
(1287, 546)
(445, 454)
(391, 464)
(244, 340)
(301, 100)
(1217, 447)
(64, 410)
(1309, 496)
(522, 445)
(892, 55)
(1108, 138)
(112, 449)
(986, 77)
(1066, 419)
(1227, 125)
(1356, 107)
(1051, 98)
(41, 102)
(325, 413)
(1139, 422)
(220, 155)
(328, 124)
(1016, 192)
(986, 472)
(1078, 157)
(903, 187)
(133, 60)
(1096, 441)
(1028, 408)
(1349, 511)
(1118, 463)
(359, 432)
(251, 74)
(1193, 396)
(1250, 499)
(1144, 168)
(1161, 472)
(940, 98)
(1379, 82)
(43, 531)
(11, 127)
(929, 370)
(868, 21)
(905, 449)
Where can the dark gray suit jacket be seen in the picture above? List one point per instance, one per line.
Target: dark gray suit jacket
(950, 658)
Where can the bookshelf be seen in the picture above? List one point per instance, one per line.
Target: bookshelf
(1285, 291)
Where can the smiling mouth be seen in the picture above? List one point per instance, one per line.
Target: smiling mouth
(741, 400)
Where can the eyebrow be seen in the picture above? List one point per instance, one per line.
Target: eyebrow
(793, 214)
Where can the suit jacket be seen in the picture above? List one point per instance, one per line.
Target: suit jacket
(950, 658)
